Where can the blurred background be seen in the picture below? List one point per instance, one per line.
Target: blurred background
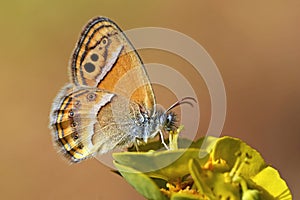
(255, 44)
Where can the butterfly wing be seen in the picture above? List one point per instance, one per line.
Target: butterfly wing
(105, 58)
(85, 121)
(118, 123)
(73, 117)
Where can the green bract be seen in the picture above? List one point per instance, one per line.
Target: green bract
(227, 169)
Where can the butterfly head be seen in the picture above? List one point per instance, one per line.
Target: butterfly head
(168, 121)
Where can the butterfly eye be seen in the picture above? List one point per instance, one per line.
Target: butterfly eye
(169, 119)
(91, 97)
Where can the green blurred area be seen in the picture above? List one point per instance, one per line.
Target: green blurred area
(255, 44)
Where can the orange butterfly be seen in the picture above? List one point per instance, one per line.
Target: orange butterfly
(109, 103)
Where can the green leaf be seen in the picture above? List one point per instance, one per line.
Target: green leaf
(251, 195)
(166, 165)
(184, 196)
(196, 173)
(229, 149)
(183, 143)
(205, 143)
(269, 179)
(222, 188)
(235, 171)
(213, 184)
(141, 182)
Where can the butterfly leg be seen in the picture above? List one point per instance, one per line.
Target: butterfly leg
(136, 146)
(137, 142)
(163, 140)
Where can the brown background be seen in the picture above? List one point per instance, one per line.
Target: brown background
(255, 45)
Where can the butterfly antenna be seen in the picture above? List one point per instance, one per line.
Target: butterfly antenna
(185, 100)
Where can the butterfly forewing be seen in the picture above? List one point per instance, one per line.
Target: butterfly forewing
(104, 57)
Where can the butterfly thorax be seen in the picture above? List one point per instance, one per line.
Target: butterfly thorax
(147, 127)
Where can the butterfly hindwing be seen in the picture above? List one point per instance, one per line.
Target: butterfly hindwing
(73, 117)
(117, 126)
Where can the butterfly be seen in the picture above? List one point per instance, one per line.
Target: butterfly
(109, 102)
